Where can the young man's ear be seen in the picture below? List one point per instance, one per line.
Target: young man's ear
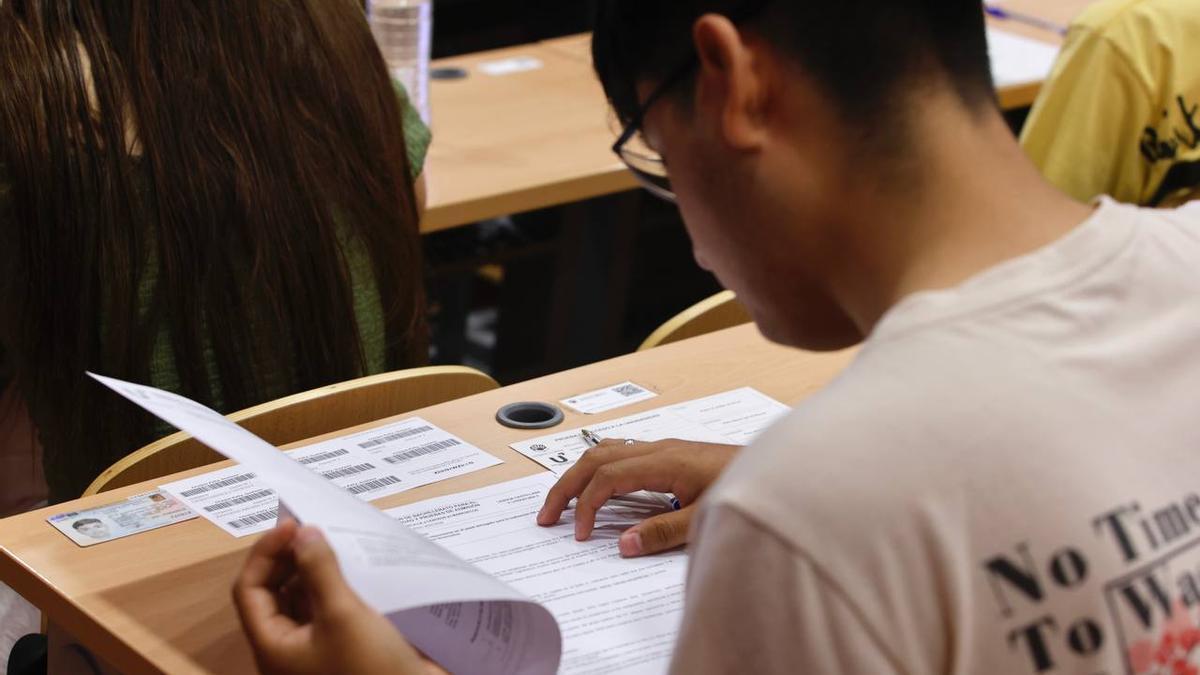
(730, 84)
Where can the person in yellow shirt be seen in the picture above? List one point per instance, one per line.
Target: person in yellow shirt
(1120, 114)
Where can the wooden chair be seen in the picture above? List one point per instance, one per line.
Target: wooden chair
(1181, 197)
(715, 313)
(304, 415)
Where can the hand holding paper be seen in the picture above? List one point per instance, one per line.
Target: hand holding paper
(457, 614)
(301, 617)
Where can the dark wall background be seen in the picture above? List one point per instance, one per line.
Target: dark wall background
(462, 26)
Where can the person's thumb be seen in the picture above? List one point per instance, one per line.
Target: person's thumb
(319, 572)
(660, 533)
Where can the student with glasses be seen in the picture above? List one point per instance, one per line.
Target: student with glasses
(1004, 479)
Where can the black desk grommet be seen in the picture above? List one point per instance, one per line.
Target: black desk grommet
(529, 415)
(448, 73)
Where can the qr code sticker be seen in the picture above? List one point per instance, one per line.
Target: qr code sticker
(629, 390)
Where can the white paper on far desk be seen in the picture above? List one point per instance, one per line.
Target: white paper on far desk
(1017, 59)
(734, 417)
(463, 618)
(608, 398)
(369, 464)
(617, 615)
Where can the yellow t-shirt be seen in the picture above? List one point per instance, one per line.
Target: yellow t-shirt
(1120, 114)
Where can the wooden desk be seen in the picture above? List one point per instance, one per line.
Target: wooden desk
(1060, 12)
(160, 601)
(512, 143)
(578, 47)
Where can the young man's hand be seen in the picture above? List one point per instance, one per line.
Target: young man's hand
(614, 468)
(301, 617)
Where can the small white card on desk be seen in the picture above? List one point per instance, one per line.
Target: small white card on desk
(369, 465)
(140, 513)
(734, 417)
(608, 398)
(517, 64)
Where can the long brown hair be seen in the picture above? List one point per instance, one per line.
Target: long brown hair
(235, 152)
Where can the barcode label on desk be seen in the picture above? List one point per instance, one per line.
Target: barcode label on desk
(427, 449)
(324, 456)
(397, 436)
(348, 471)
(608, 398)
(370, 485)
(255, 519)
(217, 485)
(368, 464)
(241, 499)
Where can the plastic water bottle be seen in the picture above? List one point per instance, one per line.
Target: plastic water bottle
(404, 31)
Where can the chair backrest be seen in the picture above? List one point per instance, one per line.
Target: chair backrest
(1181, 197)
(304, 415)
(712, 314)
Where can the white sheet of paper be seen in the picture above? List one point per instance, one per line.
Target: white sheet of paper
(608, 398)
(139, 513)
(459, 615)
(1017, 59)
(735, 417)
(517, 64)
(616, 615)
(370, 464)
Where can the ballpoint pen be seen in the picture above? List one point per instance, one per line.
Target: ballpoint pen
(592, 440)
(1028, 19)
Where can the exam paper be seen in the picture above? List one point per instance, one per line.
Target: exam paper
(139, 513)
(617, 615)
(369, 465)
(1017, 59)
(460, 616)
(734, 417)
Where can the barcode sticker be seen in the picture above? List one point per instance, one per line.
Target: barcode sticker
(217, 485)
(371, 485)
(241, 499)
(396, 436)
(608, 398)
(259, 518)
(427, 449)
(348, 471)
(324, 456)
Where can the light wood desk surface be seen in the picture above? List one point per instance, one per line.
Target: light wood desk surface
(160, 601)
(518, 142)
(512, 143)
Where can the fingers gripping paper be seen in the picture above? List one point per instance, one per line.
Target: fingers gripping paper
(460, 616)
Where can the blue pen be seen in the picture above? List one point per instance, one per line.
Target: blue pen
(1028, 19)
(592, 440)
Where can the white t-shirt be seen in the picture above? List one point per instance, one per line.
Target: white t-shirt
(1006, 480)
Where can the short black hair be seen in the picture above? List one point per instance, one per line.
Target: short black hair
(863, 53)
(85, 521)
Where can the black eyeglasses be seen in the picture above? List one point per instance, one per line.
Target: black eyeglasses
(647, 165)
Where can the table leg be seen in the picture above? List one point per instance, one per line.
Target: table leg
(65, 655)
